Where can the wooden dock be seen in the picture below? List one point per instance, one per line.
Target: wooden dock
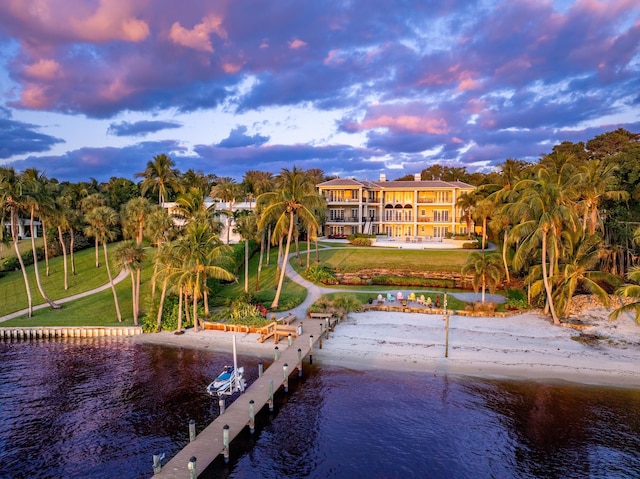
(209, 444)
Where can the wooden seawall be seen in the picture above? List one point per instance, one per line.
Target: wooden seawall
(209, 444)
(43, 332)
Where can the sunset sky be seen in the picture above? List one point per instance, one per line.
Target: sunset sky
(96, 88)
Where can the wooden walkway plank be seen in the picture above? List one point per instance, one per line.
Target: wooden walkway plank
(208, 445)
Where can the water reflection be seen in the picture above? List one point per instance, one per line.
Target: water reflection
(102, 407)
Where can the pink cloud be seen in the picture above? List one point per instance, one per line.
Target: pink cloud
(76, 19)
(198, 37)
(296, 44)
(408, 123)
(44, 70)
(35, 96)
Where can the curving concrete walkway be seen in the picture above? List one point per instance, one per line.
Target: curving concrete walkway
(314, 291)
(121, 276)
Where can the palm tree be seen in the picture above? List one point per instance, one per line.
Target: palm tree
(133, 215)
(204, 256)
(466, 202)
(103, 222)
(12, 195)
(159, 175)
(246, 227)
(631, 290)
(483, 209)
(87, 204)
(36, 199)
(487, 271)
(544, 208)
(295, 196)
(130, 256)
(228, 191)
(598, 183)
(581, 256)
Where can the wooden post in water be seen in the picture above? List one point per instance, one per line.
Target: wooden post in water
(225, 442)
(446, 340)
(311, 349)
(321, 334)
(271, 395)
(157, 466)
(299, 362)
(260, 368)
(193, 470)
(285, 370)
(252, 417)
(192, 430)
(328, 327)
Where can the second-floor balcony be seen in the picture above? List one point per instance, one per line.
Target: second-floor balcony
(340, 199)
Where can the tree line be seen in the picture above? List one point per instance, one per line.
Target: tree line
(565, 224)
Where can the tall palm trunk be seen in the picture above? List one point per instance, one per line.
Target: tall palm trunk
(72, 242)
(317, 251)
(97, 243)
(46, 248)
(137, 304)
(308, 249)
(246, 265)
(113, 286)
(64, 258)
(133, 296)
(504, 256)
(195, 304)
(260, 262)
(279, 260)
(14, 237)
(545, 280)
(269, 246)
(35, 264)
(283, 268)
(179, 309)
(161, 306)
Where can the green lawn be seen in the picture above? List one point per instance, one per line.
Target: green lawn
(292, 293)
(99, 309)
(13, 296)
(357, 258)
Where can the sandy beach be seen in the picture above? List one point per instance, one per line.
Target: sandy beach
(526, 346)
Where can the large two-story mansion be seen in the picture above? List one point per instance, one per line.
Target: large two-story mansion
(418, 208)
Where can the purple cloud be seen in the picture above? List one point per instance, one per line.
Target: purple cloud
(140, 128)
(238, 138)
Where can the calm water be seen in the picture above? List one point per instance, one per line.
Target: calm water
(102, 408)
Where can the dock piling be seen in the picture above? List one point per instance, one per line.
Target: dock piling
(311, 349)
(221, 405)
(225, 442)
(277, 352)
(260, 368)
(299, 362)
(193, 470)
(192, 430)
(285, 370)
(252, 417)
(271, 395)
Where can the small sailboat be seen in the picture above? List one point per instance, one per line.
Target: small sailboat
(230, 380)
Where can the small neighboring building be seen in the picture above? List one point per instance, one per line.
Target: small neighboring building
(24, 228)
(221, 208)
(421, 208)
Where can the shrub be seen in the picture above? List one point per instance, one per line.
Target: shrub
(320, 274)
(487, 307)
(516, 299)
(470, 245)
(361, 242)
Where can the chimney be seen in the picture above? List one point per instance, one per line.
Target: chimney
(417, 177)
(383, 177)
